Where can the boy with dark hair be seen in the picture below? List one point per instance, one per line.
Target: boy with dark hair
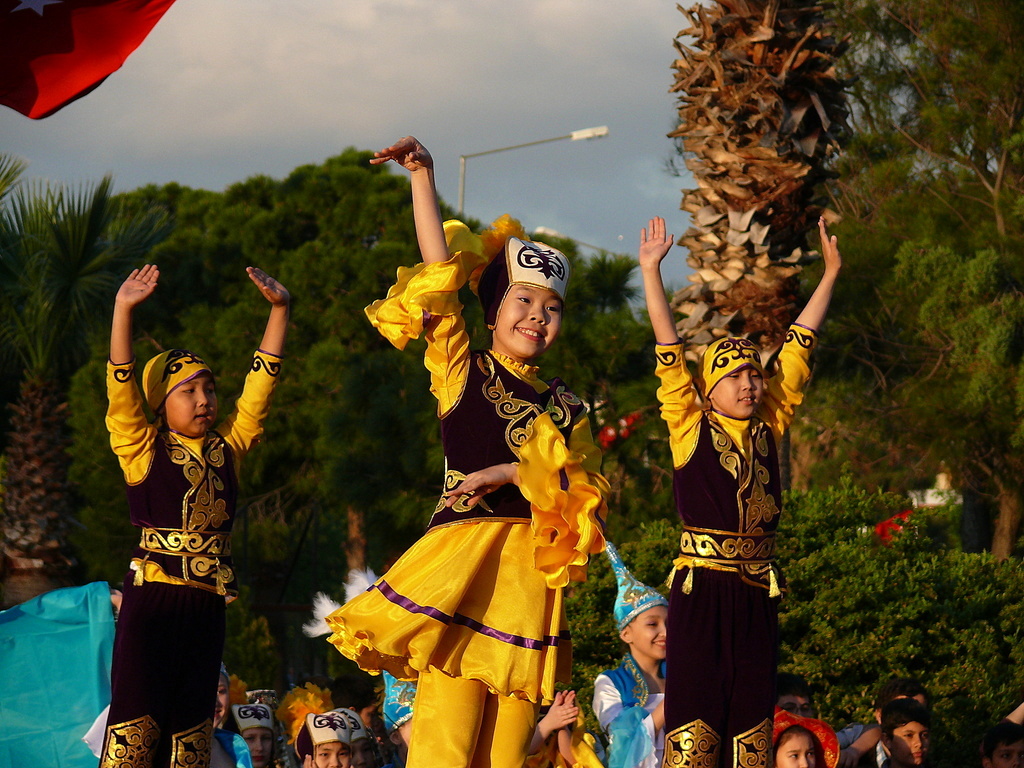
(1003, 746)
(861, 744)
(793, 694)
(900, 688)
(905, 724)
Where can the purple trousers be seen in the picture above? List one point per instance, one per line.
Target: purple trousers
(167, 655)
(723, 643)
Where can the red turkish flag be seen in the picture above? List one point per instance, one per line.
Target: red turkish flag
(55, 51)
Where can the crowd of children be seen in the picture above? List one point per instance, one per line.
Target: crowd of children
(468, 627)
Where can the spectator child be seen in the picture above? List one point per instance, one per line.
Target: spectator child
(629, 701)
(905, 724)
(803, 742)
(1003, 746)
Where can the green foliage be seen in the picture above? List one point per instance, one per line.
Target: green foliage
(250, 652)
(858, 613)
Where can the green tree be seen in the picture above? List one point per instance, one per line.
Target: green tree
(933, 175)
(61, 250)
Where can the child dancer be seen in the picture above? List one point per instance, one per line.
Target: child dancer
(629, 701)
(182, 486)
(256, 724)
(723, 614)
(474, 609)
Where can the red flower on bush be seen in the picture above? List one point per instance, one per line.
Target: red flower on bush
(888, 528)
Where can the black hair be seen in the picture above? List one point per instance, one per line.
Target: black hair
(899, 712)
(1001, 735)
(899, 687)
(354, 691)
(788, 684)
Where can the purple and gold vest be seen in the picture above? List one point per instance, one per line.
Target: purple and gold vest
(186, 508)
(730, 507)
(487, 426)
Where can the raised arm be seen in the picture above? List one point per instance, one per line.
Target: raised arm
(280, 300)
(654, 245)
(136, 288)
(414, 157)
(813, 314)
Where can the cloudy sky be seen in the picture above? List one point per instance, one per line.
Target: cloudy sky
(224, 89)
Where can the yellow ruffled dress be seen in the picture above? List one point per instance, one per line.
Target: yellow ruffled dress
(481, 599)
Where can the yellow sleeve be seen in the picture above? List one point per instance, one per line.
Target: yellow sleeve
(132, 437)
(680, 407)
(568, 506)
(581, 441)
(242, 429)
(784, 391)
(425, 298)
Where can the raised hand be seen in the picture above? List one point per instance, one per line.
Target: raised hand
(138, 286)
(407, 152)
(272, 290)
(654, 243)
(829, 248)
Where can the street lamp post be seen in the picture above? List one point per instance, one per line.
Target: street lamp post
(586, 133)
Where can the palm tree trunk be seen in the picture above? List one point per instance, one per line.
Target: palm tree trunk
(37, 497)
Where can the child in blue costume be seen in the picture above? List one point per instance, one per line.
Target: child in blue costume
(723, 612)
(629, 700)
(474, 610)
(182, 485)
(399, 696)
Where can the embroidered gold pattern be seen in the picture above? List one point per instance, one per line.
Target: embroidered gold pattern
(640, 692)
(171, 541)
(729, 459)
(694, 745)
(452, 478)
(198, 548)
(726, 545)
(520, 413)
(756, 507)
(130, 744)
(191, 748)
(751, 749)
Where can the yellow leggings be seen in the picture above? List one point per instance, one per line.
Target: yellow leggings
(459, 723)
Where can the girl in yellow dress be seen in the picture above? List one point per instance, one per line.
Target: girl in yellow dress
(474, 609)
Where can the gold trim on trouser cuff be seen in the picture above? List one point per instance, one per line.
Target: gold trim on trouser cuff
(694, 745)
(191, 748)
(130, 744)
(752, 749)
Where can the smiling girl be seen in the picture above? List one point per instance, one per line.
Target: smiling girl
(474, 609)
(629, 701)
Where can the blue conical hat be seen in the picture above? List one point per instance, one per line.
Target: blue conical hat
(633, 597)
(398, 699)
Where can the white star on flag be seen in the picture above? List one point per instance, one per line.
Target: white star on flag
(35, 5)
